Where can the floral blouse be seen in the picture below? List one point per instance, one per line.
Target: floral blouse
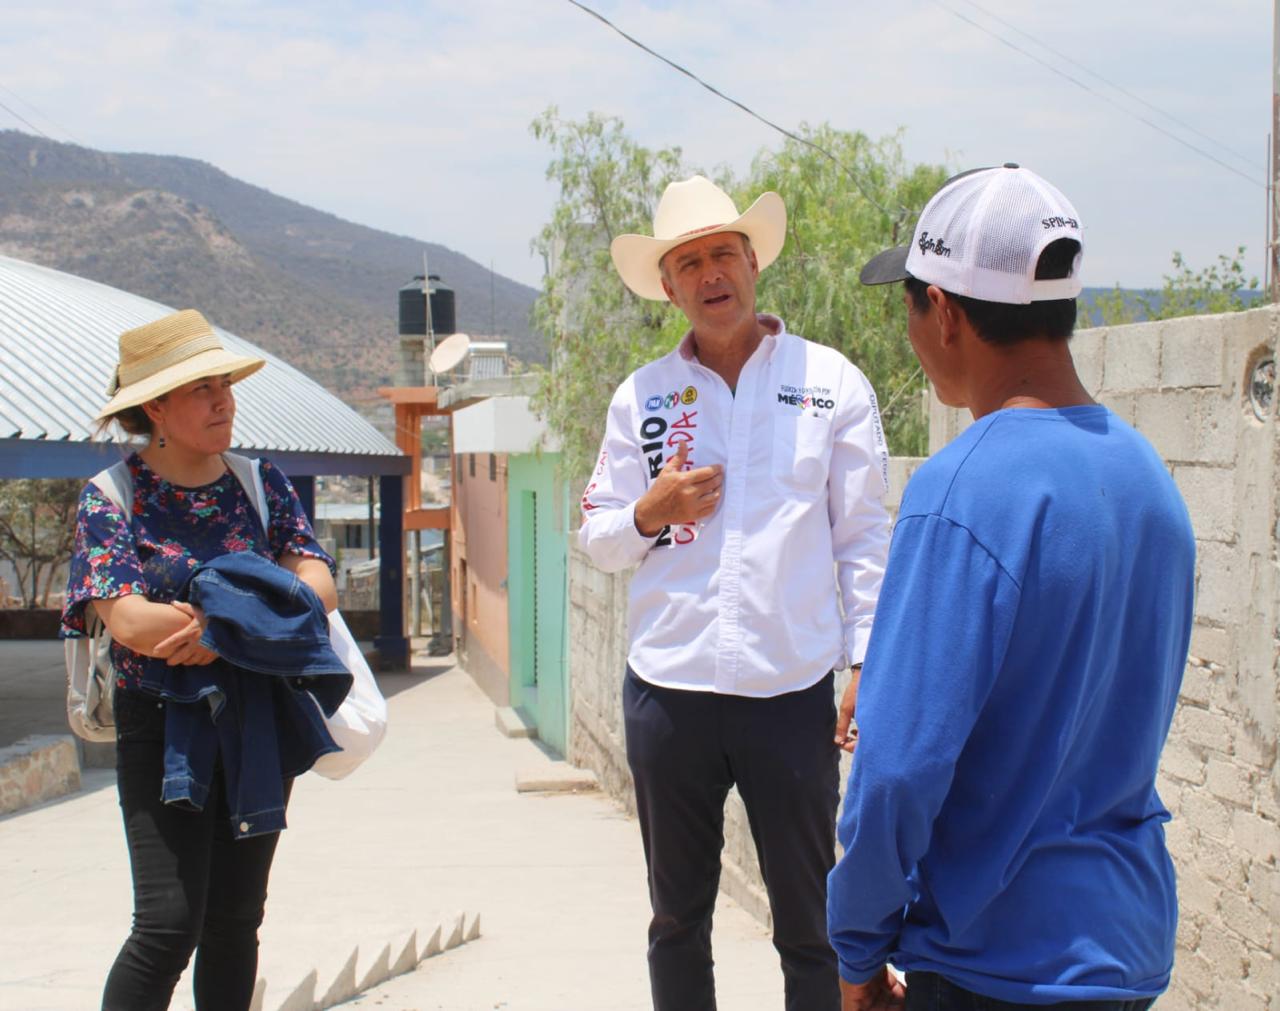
(173, 530)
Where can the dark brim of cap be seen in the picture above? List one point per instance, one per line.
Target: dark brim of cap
(886, 267)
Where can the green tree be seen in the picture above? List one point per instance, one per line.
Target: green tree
(37, 532)
(598, 330)
(839, 214)
(1220, 287)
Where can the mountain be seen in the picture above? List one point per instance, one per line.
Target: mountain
(314, 289)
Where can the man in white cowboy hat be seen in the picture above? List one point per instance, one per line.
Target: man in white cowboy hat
(743, 474)
(1003, 838)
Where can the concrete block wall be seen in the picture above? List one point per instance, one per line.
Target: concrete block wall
(597, 659)
(1185, 385)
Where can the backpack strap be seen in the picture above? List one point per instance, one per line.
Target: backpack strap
(116, 483)
(249, 473)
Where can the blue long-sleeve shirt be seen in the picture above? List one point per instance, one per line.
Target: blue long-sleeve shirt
(1001, 825)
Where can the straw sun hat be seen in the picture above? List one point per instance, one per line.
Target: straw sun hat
(689, 210)
(162, 355)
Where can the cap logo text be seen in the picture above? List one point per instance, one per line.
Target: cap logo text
(938, 246)
(1057, 222)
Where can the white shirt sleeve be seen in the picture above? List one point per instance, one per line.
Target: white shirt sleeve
(608, 534)
(859, 523)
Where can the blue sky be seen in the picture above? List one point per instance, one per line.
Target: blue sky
(413, 117)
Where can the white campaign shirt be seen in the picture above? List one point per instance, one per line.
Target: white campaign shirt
(745, 603)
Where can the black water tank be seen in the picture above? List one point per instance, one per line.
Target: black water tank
(413, 308)
(443, 320)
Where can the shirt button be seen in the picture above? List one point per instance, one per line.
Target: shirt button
(244, 826)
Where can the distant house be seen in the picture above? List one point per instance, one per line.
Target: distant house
(344, 527)
(510, 542)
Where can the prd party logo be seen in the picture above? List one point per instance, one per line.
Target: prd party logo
(689, 396)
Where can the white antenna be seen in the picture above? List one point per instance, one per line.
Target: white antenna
(431, 326)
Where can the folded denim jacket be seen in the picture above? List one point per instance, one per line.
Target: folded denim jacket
(249, 707)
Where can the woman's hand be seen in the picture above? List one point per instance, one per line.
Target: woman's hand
(183, 647)
(144, 625)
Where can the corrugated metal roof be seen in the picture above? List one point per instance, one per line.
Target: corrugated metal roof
(59, 338)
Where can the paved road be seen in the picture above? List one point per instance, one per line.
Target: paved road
(430, 826)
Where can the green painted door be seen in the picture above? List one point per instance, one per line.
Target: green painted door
(537, 593)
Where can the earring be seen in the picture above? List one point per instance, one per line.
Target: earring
(160, 441)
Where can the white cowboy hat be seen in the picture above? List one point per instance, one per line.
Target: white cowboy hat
(689, 210)
(162, 355)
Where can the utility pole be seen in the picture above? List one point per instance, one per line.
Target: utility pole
(35, 564)
(1273, 254)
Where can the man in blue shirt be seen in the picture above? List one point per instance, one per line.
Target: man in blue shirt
(1003, 839)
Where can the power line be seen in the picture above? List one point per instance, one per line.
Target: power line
(22, 119)
(1106, 98)
(1111, 84)
(749, 111)
(14, 94)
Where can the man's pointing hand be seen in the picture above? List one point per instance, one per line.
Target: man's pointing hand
(679, 496)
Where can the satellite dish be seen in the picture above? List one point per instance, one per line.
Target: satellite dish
(450, 352)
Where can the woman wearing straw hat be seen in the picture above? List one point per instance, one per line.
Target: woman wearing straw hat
(198, 884)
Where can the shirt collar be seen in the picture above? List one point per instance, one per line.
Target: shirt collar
(774, 331)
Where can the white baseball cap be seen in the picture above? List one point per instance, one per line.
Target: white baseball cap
(982, 234)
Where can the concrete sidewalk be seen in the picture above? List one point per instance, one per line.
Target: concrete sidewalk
(430, 827)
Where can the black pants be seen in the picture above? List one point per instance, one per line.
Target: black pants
(927, 991)
(686, 749)
(194, 887)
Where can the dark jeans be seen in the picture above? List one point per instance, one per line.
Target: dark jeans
(686, 749)
(927, 991)
(194, 887)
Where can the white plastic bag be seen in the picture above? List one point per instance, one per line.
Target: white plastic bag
(360, 722)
